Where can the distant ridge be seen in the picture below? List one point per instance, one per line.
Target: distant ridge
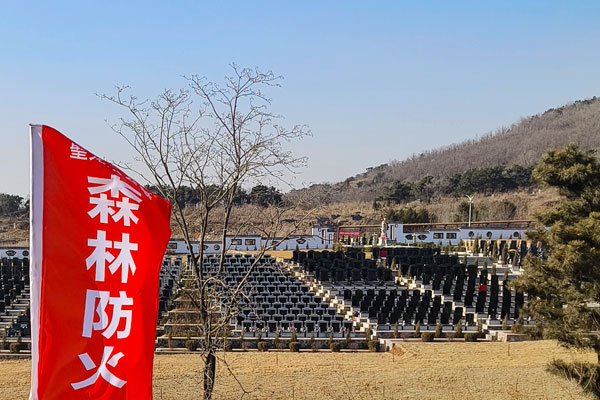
(523, 144)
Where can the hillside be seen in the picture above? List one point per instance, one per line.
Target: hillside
(351, 201)
(14, 231)
(522, 144)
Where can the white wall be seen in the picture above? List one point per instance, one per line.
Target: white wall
(395, 232)
(10, 252)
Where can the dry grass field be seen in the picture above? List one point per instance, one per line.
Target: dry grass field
(416, 371)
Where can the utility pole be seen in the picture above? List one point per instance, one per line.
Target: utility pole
(470, 207)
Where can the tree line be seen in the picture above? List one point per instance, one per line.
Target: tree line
(259, 195)
(12, 205)
(485, 180)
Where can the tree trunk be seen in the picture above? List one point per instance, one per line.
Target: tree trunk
(210, 366)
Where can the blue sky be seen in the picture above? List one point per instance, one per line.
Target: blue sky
(375, 81)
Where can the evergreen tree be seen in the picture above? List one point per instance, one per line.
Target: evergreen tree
(458, 332)
(564, 287)
(504, 255)
(438, 330)
(265, 196)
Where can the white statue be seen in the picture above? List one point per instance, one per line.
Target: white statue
(383, 236)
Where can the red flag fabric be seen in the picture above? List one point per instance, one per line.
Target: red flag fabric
(97, 242)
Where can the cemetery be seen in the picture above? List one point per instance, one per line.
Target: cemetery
(321, 296)
(353, 297)
(362, 311)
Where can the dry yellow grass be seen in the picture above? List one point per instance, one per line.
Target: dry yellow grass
(422, 371)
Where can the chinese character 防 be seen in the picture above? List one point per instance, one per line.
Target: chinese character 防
(95, 305)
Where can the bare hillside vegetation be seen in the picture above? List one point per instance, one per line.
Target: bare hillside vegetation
(522, 144)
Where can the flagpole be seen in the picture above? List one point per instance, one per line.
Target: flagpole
(35, 246)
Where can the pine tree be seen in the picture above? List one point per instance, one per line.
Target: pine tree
(563, 287)
(438, 330)
(276, 341)
(504, 254)
(458, 332)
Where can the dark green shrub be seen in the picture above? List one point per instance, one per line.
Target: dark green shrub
(277, 341)
(471, 337)
(458, 332)
(587, 375)
(294, 347)
(438, 330)
(348, 340)
(373, 346)
(15, 347)
(334, 347)
(517, 328)
(262, 346)
(427, 336)
(316, 346)
(191, 345)
(418, 330)
(367, 337)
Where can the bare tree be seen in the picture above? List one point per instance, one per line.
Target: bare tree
(213, 138)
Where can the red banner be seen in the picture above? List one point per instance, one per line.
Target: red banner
(97, 241)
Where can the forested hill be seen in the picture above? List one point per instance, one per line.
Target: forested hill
(521, 144)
